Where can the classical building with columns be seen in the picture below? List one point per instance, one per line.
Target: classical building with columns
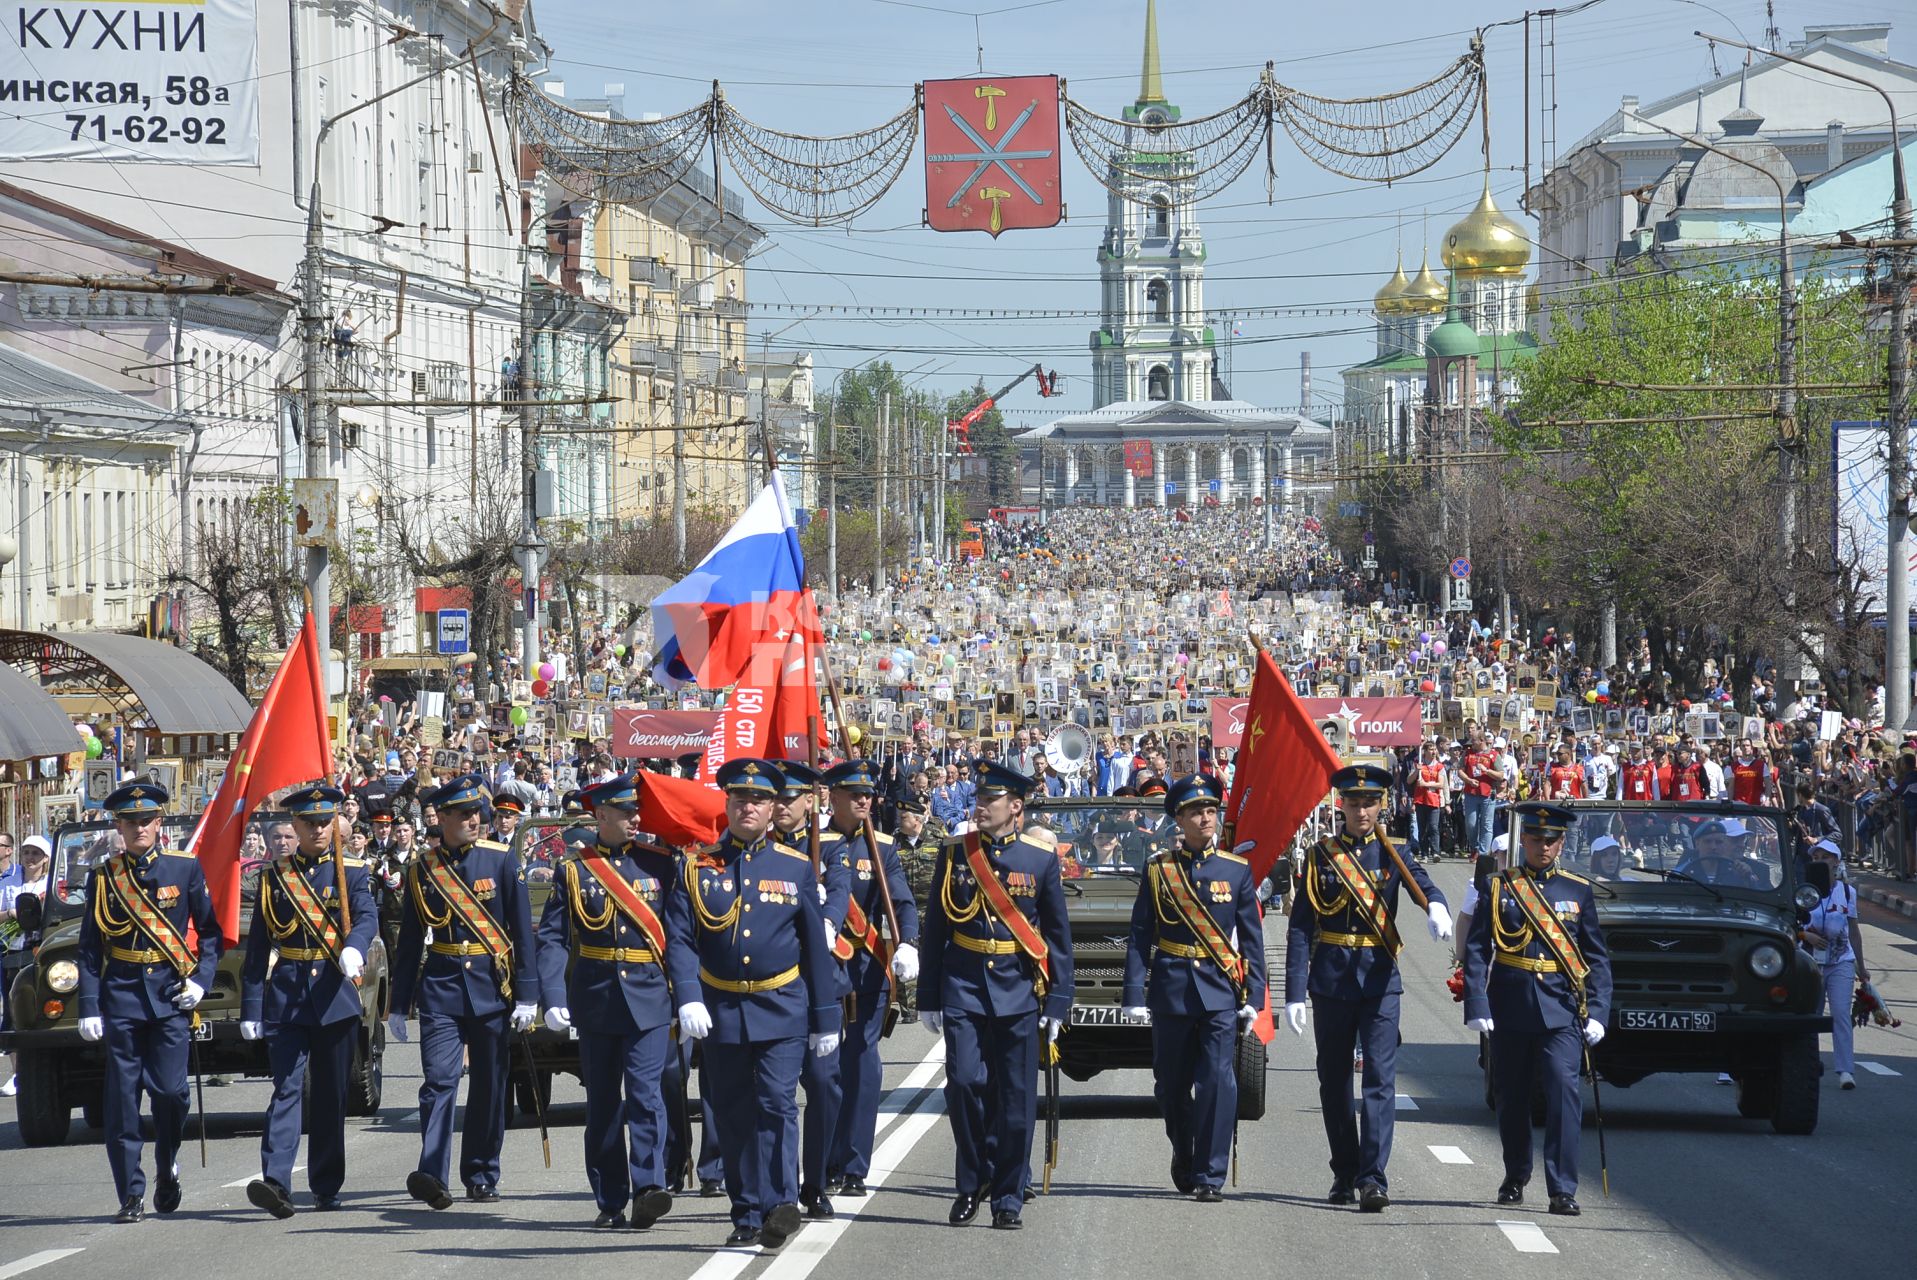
(1155, 376)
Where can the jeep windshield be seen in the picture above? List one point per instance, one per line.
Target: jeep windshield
(1723, 848)
(80, 846)
(1101, 837)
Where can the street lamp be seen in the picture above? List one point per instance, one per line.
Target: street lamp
(1897, 419)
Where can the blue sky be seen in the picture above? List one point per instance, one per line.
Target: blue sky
(823, 68)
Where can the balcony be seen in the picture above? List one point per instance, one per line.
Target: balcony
(730, 308)
(651, 271)
(643, 355)
(732, 380)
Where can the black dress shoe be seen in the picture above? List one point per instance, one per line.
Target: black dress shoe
(1341, 1194)
(1181, 1176)
(854, 1187)
(166, 1190)
(820, 1208)
(1565, 1206)
(1209, 1195)
(481, 1194)
(780, 1225)
(1510, 1192)
(326, 1204)
(609, 1218)
(964, 1208)
(743, 1235)
(132, 1209)
(834, 1183)
(710, 1189)
(649, 1206)
(1372, 1198)
(1006, 1220)
(270, 1196)
(428, 1190)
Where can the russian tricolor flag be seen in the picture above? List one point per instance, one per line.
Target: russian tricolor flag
(749, 590)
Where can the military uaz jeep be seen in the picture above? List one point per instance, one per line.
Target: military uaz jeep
(59, 1071)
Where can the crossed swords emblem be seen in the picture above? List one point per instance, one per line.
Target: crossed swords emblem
(989, 155)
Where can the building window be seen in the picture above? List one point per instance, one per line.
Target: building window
(1158, 383)
(1158, 301)
(1161, 217)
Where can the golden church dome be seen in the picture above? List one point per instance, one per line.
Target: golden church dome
(1486, 240)
(1426, 295)
(1389, 300)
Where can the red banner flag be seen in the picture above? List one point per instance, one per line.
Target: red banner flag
(285, 744)
(992, 154)
(679, 811)
(1283, 770)
(767, 712)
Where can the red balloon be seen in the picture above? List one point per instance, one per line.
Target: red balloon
(885, 664)
(540, 688)
(1427, 686)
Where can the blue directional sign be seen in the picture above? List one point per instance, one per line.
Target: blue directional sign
(1217, 486)
(455, 630)
(1171, 488)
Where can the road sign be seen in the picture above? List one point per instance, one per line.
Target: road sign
(1460, 568)
(1370, 538)
(1171, 488)
(1217, 486)
(992, 158)
(455, 634)
(1351, 510)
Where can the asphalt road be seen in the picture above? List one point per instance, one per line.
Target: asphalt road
(1695, 1190)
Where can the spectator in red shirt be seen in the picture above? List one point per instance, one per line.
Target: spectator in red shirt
(1564, 780)
(1638, 778)
(1427, 801)
(1666, 772)
(1750, 775)
(1687, 778)
(1483, 779)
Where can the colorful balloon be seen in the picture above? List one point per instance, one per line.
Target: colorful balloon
(619, 651)
(547, 671)
(540, 688)
(519, 715)
(95, 748)
(1440, 648)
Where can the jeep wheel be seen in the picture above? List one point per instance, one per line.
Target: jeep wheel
(1799, 1070)
(366, 1079)
(1757, 1095)
(45, 1114)
(1249, 1066)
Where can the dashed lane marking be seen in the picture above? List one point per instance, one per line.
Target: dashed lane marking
(1450, 1155)
(240, 1182)
(1406, 1102)
(33, 1260)
(1527, 1237)
(1879, 1069)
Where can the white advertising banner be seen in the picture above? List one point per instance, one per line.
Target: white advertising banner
(160, 81)
(1861, 492)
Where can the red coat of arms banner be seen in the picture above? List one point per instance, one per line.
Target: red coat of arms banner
(992, 154)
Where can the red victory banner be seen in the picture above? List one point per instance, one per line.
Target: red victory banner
(642, 734)
(992, 154)
(1371, 722)
(1138, 457)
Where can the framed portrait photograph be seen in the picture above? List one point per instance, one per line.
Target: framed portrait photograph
(50, 813)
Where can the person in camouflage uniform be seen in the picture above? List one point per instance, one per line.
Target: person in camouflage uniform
(916, 839)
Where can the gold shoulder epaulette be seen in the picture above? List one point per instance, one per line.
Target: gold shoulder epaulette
(789, 851)
(881, 838)
(353, 862)
(492, 844)
(175, 853)
(1573, 877)
(1229, 856)
(1043, 839)
(704, 850)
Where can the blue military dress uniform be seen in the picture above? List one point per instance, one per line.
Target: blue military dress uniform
(986, 990)
(1512, 976)
(307, 1009)
(463, 1001)
(751, 915)
(1194, 1003)
(127, 983)
(867, 982)
(619, 993)
(820, 1078)
(1355, 985)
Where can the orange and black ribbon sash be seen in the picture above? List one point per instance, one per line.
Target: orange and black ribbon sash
(1363, 894)
(627, 899)
(1544, 921)
(1176, 886)
(859, 931)
(146, 914)
(473, 914)
(318, 920)
(999, 905)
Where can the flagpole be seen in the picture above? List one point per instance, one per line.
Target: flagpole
(339, 850)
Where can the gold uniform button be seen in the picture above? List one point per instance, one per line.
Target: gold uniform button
(469, 964)
(748, 906)
(747, 933)
(745, 960)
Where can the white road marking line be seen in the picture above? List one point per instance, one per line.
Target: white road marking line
(240, 1182)
(1879, 1069)
(729, 1263)
(33, 1260)
(1406, 1102)
(1450, 1155)
(1527, 1237)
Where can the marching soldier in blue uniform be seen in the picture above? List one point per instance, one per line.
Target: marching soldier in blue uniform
(508, 809)
(819, 1076)
(139, 985)
(997, 983)
(1197, 935)
(853, 786)
(1537, 981)
(307, 1004)
(607, 966)
(751, 914)
(478, 981)
(1341, 949)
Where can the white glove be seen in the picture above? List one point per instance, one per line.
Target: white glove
(1295, 1017)
(91, 1029)
(1593, 1031)
(1136, 1013)
(1265, 890)
(558, 1019)
(822, 894)
(905, 963)
(1246, 1016)
(1482, 1026)
(250, 1030)
(1244, 847)
(524, 1015)
(823, 1043)
(695, 1021)
(396, 1026)
(191, 993)
(1439, 922)
(1048, 1029)
(932, 1021)
(351, 963)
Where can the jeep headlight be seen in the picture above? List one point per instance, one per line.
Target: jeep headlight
(63, 976)
(1766, 960)
(1806, 897)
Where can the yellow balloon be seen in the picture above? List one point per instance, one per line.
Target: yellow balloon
(853, 735)
(1590, 695)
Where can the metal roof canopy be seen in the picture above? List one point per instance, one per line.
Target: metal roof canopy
(167, 688)
(31, 723)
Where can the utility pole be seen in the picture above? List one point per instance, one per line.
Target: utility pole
(315, 412)
(530, 382)
(832, 499)
(1265, 471)
(678, 444)
(879, 491)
